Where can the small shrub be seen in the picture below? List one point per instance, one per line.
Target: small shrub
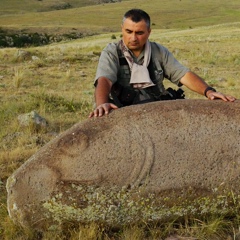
(113, 36)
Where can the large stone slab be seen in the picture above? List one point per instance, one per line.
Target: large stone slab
(106, 169)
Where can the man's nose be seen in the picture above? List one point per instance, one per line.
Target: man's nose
(134, 36)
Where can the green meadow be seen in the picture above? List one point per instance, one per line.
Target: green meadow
(56, 81)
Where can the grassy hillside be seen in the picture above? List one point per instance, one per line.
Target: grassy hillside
(24, 6)
(57, 81)
(106, 17)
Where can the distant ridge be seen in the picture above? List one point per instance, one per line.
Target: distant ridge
(23, 6)
(91, 17)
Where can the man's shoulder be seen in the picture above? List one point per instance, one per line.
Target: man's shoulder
(111, 47)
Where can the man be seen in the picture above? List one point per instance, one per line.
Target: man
(132, 70)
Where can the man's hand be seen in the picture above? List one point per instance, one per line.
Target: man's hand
(102, 91)
(211, 95)
(102, 109)
(197, 84)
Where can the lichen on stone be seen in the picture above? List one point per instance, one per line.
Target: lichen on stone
(111, 205)
(119, 206)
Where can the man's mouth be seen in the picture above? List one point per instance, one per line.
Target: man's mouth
(133, 43)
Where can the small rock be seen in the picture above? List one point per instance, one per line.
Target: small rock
(32, 118)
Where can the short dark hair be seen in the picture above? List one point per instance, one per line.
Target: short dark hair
(137, 15)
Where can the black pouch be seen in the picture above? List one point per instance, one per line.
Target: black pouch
(123, 96)
(173, 94)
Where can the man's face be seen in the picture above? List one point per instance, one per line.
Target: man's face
(135, 35)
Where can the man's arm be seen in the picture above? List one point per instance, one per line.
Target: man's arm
(102, 91)
(197, 84)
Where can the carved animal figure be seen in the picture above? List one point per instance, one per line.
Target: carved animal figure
(162, 146)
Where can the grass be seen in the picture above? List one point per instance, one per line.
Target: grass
(58, 84)
(165, 15)
(25, 6)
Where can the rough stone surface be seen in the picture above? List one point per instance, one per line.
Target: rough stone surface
(162, 146)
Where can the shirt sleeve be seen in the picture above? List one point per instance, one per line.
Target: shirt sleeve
(172, 68)
(108, 64)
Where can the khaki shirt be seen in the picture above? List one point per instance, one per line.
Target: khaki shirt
(110, 68)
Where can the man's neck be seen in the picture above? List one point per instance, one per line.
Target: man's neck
(137, 53)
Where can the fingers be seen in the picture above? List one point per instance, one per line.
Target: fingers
(231, 98)
(113, 106)
(102, 109)
(98, 112)
(218, 95)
